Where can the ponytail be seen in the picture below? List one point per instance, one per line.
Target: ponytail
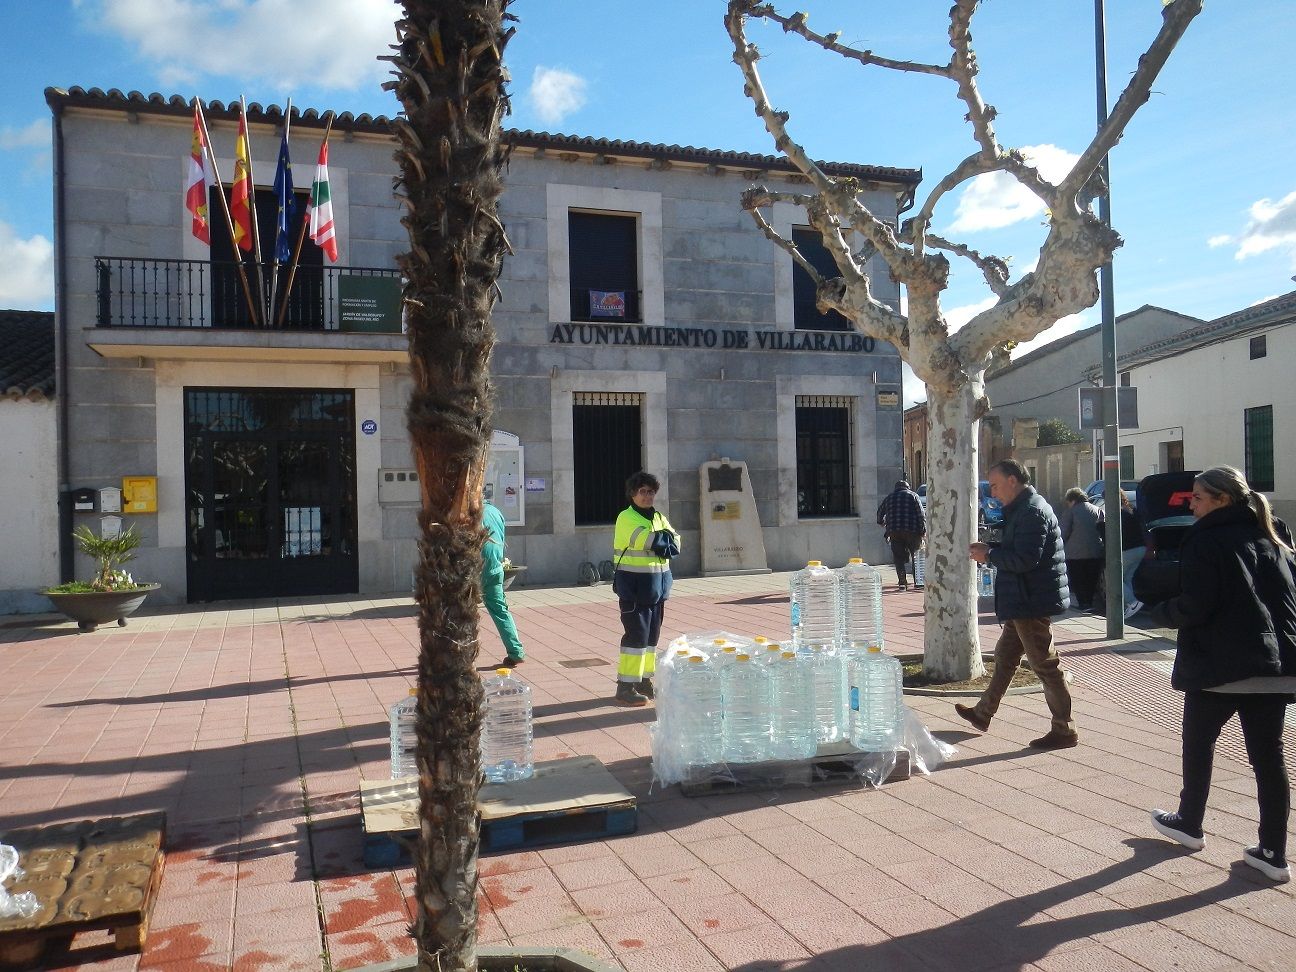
(1264, 515)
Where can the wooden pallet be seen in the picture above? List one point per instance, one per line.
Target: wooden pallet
(835, 763)
(566, 801)
(88, 876)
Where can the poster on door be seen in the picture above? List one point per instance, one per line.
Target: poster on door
(504, 482)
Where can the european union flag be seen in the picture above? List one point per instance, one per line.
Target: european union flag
(283, 190)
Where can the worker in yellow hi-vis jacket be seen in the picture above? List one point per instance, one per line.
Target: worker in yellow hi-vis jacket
(643, 545)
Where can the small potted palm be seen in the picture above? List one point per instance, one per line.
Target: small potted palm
(113, 595)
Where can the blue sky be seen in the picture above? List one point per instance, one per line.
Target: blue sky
(1204, 186)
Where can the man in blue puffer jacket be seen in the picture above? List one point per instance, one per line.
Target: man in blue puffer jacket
(1030, 587)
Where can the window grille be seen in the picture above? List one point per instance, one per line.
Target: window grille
(1259, 448)
(825, 431)
(607, 447)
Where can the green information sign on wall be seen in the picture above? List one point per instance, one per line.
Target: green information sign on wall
(371, 304)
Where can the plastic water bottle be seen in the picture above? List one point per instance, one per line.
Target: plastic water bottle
(920, 567)
(792, 729)
(986, 580)
(506, 730)
(814, 607)
(767, 653)
(746, 690)
(859, 618)
(876, 701)
(828, 684)
(403, 741)
(698, 718)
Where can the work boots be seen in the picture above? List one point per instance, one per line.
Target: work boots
(645, 688)
(627, 693)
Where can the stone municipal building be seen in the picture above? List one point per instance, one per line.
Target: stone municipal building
(645, 323)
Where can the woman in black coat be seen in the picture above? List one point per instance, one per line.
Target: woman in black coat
(1236, 617)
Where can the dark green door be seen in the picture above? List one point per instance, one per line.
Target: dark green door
(270, 487)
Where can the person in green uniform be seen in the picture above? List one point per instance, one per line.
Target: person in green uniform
(492, 583)
(643, 544)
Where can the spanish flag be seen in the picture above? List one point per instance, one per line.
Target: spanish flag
(199, 180)
(241, 192)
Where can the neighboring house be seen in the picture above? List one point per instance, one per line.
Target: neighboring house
(1221, 393)
(916, 428)
(1045, 383)
(28, 474)
(645, 322)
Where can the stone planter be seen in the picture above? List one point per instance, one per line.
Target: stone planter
(511, 574)
(533, 958)
(93, 608)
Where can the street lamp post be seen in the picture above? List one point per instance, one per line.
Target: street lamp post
(1111, 420)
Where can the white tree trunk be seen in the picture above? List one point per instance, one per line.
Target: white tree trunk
(952, 649)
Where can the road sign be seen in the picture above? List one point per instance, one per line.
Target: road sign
(1091, 407)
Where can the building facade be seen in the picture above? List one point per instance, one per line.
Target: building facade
(644, 323)
(1220, 394)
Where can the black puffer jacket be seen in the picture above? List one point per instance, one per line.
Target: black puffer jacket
(1236, 614)
(1032, 579)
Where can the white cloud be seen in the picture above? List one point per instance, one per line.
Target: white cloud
(556, 93)
(1215, 242)
(914, 390)
(27, 271)
(956, 317)
(1068, 325)
(287, 43)
(35, 135)
(1272, 226)
(996, 200)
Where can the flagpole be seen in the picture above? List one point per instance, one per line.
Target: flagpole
(274, 274)
(229, 220)
(252, 213)
(301, 237)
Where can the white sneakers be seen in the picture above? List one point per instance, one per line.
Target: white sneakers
(1133, 608)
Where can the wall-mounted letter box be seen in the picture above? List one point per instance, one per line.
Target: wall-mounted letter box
(140, 494)
(83, 500)
(110, 498)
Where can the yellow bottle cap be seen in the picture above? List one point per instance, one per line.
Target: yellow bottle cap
(744, 658)
(789, 654)
(503, 671)
(814, 563)
(695, 659)
(856, 560)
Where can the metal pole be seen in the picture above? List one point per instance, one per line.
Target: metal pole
(1111, 420)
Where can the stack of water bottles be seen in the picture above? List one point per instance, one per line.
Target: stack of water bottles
(506, 734)
(725, 699)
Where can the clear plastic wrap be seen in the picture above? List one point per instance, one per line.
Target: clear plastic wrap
(926, 752)
(24, 904)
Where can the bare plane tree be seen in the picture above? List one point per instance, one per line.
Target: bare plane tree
(450, 80)
(952, 365)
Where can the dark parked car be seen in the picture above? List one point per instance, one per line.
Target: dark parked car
(1163, 508)
(991, 508)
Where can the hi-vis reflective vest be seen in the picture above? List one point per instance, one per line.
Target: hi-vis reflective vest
(641, 575)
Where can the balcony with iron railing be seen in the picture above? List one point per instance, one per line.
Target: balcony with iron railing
(185, 308)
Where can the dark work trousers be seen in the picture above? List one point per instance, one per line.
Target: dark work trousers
(903, 545)
(1262, 727)
(642, 625)
(1082, 574)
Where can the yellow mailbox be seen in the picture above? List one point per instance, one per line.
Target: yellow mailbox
(139, 494)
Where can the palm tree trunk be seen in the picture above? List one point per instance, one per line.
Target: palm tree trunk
(450, 81)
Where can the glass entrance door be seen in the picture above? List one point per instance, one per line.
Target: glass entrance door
(270, 486)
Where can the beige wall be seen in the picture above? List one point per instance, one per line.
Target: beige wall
(28, 503)
(1200, 397)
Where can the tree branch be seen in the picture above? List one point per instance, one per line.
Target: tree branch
(796, 24)
(1176, 16)
(963, 69)
(753, 199)
(994, 269)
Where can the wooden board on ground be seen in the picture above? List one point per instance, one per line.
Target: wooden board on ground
(567, 800)
(87, 876)
(836, 762)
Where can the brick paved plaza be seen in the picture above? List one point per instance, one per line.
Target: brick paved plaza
(252, 724)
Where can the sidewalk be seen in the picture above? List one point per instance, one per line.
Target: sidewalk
(252, 723)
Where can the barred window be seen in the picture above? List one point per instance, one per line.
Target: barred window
(604, 268)
(1259, 346)
(806, 315)
(1258, 423)
(825, 429)
(607, 447)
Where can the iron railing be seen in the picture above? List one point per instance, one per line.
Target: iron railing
(141, 292)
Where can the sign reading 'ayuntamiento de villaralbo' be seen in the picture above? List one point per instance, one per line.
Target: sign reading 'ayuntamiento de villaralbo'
(726, 338)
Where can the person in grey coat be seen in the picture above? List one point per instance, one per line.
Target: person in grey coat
(1082, 525)
(1031, 587)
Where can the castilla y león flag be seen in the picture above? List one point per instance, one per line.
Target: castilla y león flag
(321, 208)
(241, 191)
(197, 183)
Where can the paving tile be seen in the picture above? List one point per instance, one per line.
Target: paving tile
(712, 916)
(687, 885)
(619, 898)
(578, 875)
(686, 956)
(761, 946)
(1162, 949)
